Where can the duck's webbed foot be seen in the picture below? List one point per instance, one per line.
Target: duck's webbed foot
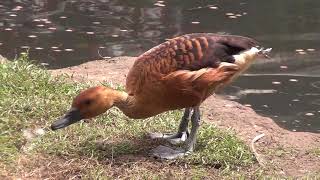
(181, 135)
(164, 152)
(174, 139)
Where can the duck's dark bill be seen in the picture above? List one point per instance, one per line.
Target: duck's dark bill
(72, 116)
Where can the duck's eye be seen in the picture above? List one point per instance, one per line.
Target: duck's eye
(88, 102)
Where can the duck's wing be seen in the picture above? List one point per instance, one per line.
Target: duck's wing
(188, 88)
(191, 52)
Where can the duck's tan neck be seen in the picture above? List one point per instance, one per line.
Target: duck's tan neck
(128, 105)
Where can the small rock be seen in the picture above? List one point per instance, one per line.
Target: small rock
(3, 60)
(40, 131)
(28, 134)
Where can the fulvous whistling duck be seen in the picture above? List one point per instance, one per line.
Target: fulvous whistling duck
(179, 73)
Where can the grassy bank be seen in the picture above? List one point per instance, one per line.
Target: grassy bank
(109, 146)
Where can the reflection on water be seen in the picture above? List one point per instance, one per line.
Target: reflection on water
(294, 101)
(63, 33)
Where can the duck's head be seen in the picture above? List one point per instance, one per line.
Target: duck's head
(89, 103)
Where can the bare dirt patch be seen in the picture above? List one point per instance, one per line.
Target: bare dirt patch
(279, 151)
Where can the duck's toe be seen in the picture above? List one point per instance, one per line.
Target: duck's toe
(171, 138)
(155, 135)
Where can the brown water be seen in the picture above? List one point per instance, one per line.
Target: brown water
(64, 33)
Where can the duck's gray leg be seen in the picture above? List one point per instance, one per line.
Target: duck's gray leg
(164, 152)
(182, 133)
(195, 122)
